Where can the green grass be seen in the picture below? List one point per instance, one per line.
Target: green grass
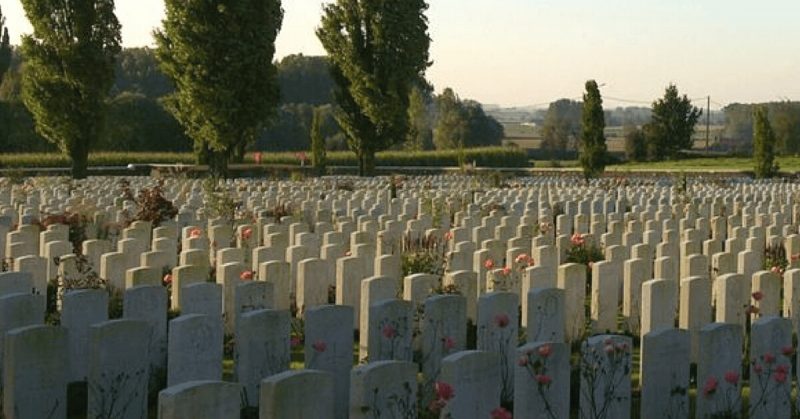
(722, 164)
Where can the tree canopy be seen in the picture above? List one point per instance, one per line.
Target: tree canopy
(561, 127)
(674, 118)
(219, 56)
(69, 69)
(377, 51)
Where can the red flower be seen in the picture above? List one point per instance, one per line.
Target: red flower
(710, 387)
(195, 233)
(577, 239)
(795, 257)
(501, 320)
(732, 377)
(444, 391)
(448, 343)
(768, 358)
(246, 276)
(780, 377)
(488, 264)
(501, 413)
(295, 341)
(787, 350)
(784, 369)
(543, 379)
(545, 351)
(758, 295)
(247, 233)
(506, 271)
(448, 236)
(758, 368)
(167, 279)
(522, 361)
(319, 346)
(389, 331)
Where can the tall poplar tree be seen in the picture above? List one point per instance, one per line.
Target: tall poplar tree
(5, 48)
(764, 144)
(219, 54)
(378, 49)
(593, 152)
(69, 69)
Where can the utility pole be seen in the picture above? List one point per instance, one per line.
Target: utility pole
(708, 123)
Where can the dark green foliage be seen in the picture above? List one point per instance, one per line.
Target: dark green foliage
(463, 124)
(674, 118)
(138, 123)
(635, 143)
(69, 69)
(561, 127)
(377, 50)
(318, 144)
(783, 116)
(305, 79)
(219, 56)
(764, 144)
(137, 72)
(593, 141)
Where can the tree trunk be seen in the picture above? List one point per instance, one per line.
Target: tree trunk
(218, 164)
(79, 154)
(369, 163)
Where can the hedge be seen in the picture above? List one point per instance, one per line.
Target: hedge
(483, 157)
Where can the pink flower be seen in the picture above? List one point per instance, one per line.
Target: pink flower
(488, 264)
(543, 379)
(247, 233)
(319, 346)
(348, 253)
(545, 351)
(506, 271)
(710, 387)
(448, 236)
(524, 258)
(522, 361)
(787, 350)
(444, 391)
(501, 413)
(768, 358)
(758, 295)
(195, 233)
(246, 276)
(777, 270)
(501, 320)
(577, 239)
(449, 343)
(609, 349)
(167, 279)
(295, 341)
(389, 332)
(732, 377)
(795, 257)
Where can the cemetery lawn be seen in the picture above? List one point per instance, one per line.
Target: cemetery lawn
(718, 164)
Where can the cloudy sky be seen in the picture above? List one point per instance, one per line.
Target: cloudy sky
(523, 52)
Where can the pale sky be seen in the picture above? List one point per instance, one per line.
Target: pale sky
(523, 52)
